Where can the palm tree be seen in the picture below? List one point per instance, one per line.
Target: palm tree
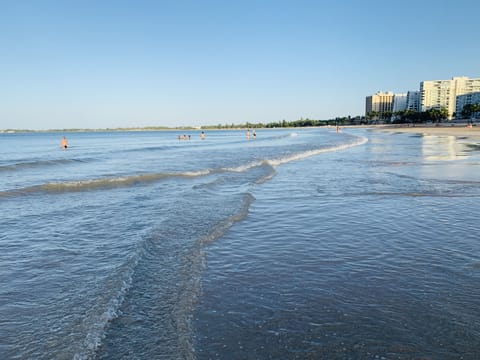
(470, 110)
(475, 109)
(437, 114)
(372, 115)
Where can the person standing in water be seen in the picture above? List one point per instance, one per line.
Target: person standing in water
(64, 143)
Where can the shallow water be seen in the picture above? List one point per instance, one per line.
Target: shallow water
(374, 253)
(293, 246)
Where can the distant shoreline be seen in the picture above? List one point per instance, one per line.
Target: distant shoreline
(13, 131)
(459, 130)
(206, 128)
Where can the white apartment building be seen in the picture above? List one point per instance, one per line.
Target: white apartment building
(436, 94)
(462, 100)
(380, 103)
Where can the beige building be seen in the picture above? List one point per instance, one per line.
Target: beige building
(436, 94)
(379, 103)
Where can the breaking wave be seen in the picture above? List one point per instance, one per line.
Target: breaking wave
(132, 180)
(100, 184)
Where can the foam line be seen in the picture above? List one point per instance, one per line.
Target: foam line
(306, 154)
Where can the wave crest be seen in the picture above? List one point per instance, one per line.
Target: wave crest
(100, 184)
(309, 153)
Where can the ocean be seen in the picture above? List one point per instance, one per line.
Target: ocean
(299, 244)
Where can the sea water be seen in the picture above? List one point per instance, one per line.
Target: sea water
(299, 244)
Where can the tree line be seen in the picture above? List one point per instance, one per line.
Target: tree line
(410, 116)
(470, 110)
(307, 122)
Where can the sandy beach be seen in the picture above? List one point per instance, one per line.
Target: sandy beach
(458, 131)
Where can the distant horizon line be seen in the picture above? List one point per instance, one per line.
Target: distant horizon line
(142, 128)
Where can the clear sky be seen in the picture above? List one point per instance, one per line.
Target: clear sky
(117, 63)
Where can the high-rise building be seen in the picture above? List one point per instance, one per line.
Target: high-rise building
(437, 94)
(462, 100)
(399, 102)
(380, 103)
(413, 101)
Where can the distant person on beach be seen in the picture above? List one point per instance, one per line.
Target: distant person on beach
(64, 143)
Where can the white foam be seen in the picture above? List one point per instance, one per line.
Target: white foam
(245, 167)
(306, 154)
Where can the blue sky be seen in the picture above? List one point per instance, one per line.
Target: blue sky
(105, 63)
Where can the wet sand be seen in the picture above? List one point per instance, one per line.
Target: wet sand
(458, 131)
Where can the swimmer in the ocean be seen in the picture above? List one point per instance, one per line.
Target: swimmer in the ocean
(64, 143)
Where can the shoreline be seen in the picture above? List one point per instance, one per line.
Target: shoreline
(442, 130)
(457, 131)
